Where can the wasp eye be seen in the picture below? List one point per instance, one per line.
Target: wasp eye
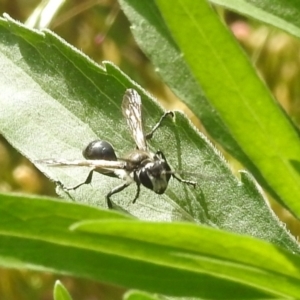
(99, 150)
(145, 179)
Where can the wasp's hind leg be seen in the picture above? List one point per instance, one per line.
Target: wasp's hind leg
(150, 134)
(88, 180)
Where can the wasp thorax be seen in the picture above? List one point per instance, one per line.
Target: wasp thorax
(99, 150)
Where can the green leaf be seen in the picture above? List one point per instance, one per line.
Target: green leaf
(60, 292)
(192, 248)
(60, 101)
(241, 114)
(176, 259)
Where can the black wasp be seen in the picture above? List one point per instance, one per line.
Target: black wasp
(140, 165)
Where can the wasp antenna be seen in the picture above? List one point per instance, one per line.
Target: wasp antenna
(195, 174)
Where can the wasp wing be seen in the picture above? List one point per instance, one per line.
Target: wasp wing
(97, 164)
(132, 111)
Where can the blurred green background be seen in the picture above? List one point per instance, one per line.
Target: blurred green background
(100, 29)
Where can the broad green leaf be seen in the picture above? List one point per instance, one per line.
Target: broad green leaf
(278, 13)
(175, 259)
(240, 114)
(60, 292)
(63, 101)
(60, 101)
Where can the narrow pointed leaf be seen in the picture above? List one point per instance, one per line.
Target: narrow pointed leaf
(60, 292)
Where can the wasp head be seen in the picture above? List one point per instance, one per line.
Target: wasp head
(155, 175)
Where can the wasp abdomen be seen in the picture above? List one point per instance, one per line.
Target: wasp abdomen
(99, 150)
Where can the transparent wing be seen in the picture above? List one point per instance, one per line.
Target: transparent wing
(98, 164)
(132, 111)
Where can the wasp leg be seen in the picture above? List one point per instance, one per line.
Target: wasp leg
(87, 181)
(193, 183)
(138, 187)
(115, 190)
(150, 134)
